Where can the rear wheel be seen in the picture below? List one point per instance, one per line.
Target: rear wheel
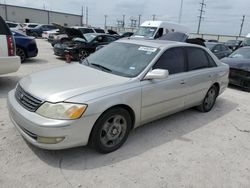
(21, 53)
(209, 100)
(111, 130)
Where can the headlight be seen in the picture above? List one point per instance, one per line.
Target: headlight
(63, 111)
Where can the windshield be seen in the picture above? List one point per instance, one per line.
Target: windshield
(123, 59)
(89, 37)
(246, 42)
(242, 53)
(210, 46)
(146, 31)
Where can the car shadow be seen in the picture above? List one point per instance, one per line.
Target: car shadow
(7, 83)
(35, 61)
(141, 140)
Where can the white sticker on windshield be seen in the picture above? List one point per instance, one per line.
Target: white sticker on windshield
(132, 68)
(147, 49)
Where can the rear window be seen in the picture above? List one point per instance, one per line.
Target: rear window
(4, 29)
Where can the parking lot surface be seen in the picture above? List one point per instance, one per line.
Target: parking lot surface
(188, 149)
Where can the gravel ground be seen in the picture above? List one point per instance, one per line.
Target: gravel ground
(188, 149)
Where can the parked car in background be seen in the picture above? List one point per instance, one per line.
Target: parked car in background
(25, 46)
(99, 30)
(45, 34)
(120, 87)
(9, 62)
(220, 50)
(233, 44)
(239, 62)
(15, 26)
(246, 41)
(38, 30)
(80, 48)
(29, 26)
(126, 34)
(212, 40)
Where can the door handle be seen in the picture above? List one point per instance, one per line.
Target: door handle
(183, 82)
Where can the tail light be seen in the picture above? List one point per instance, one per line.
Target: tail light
(11, 45)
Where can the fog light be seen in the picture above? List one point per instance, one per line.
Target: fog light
(49, 140)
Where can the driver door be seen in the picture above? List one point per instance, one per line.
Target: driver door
(163, 97)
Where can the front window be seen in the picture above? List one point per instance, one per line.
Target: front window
(122, 59)
(89, 37)
(242, 53)
(146, 31)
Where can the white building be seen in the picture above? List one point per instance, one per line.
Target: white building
(32, 15)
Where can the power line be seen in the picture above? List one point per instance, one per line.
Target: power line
(242, 24)
(201, 15)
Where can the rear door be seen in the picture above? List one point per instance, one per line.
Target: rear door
(200, 75)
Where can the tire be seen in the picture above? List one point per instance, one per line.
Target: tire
(21, 53)
(111, 130)
(82, 55)
(209, 100)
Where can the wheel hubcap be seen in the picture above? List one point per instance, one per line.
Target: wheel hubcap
(113, 131)
(83, 55)
(209, 101)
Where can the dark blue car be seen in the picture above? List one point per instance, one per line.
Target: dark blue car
(25, 46)
(38, 30)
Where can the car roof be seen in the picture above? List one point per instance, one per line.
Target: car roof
(156, 43)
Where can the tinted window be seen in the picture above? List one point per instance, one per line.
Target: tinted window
(217, 48)
(172, 60)
(4, 30)
(110, 39)
(11, 25)
(197, 59)
(99, 31)
(86, 30)
(224, 48)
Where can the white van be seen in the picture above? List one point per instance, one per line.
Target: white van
(155, 29)
(9, 62)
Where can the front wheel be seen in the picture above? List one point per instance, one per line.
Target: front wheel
(82, 55)
(209, 100)
(111, 130)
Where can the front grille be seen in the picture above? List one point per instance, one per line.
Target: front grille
(26, 100)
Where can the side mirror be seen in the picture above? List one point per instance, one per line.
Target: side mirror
(157, 74)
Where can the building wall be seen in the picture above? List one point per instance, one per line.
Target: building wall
(20, 14)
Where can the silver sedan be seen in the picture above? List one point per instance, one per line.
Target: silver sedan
(120, 87)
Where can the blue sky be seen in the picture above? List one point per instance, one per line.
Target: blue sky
(221, 17)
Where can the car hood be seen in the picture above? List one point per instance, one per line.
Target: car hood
(59, 84)
(237, 63)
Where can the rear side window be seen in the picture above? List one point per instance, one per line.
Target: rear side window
(172, 60)
(99, 31)
(4, 30)
(198, 59)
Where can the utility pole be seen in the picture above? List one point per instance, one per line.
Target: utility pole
(6, 11)
(201, 15)
(242, 24)
(154, 17)
(82, 22)
(180, 14)
(123, 21)
(87, 16)
(105, 22)
(139, 20)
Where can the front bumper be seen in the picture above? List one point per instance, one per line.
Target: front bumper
(32, 125)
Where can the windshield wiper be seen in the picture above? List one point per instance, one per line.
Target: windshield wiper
(101, 67)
